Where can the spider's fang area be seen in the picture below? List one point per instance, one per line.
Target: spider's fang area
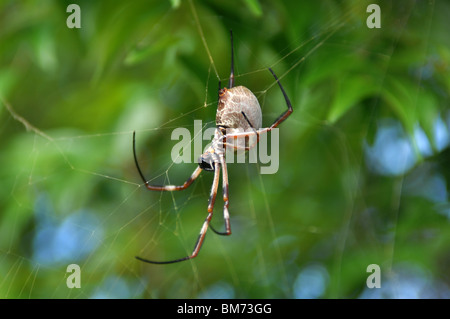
(207, 166)
(222, 91)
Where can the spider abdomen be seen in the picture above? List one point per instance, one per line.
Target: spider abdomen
(234, 101)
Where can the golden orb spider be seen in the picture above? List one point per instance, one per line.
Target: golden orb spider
(238, 116)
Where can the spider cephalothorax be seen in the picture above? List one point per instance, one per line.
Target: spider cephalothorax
(238, 126)
(206, 160)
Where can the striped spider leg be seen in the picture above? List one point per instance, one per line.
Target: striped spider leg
(238, 116)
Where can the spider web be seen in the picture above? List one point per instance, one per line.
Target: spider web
(72, 195)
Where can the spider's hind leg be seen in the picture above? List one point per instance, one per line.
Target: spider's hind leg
(226, 215)
(168, 188)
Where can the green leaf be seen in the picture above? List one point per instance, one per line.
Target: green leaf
(350, 91)
(254, 7)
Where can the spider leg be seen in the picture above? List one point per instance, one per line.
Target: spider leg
(226, 215)
(201, 236)
(231, 80)
(250, 123)
(288, 112)
(169, 188)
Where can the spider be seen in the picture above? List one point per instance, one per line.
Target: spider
(238, 116)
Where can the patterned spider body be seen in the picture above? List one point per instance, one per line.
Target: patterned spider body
(232, 103)
(238, 122)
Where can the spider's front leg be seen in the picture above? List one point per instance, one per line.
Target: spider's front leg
(161, 188)
(206, 223)
(209, 161)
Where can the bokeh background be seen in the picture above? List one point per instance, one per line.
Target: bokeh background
(364, 158)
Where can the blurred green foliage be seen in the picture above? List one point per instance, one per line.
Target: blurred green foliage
(71, 98)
